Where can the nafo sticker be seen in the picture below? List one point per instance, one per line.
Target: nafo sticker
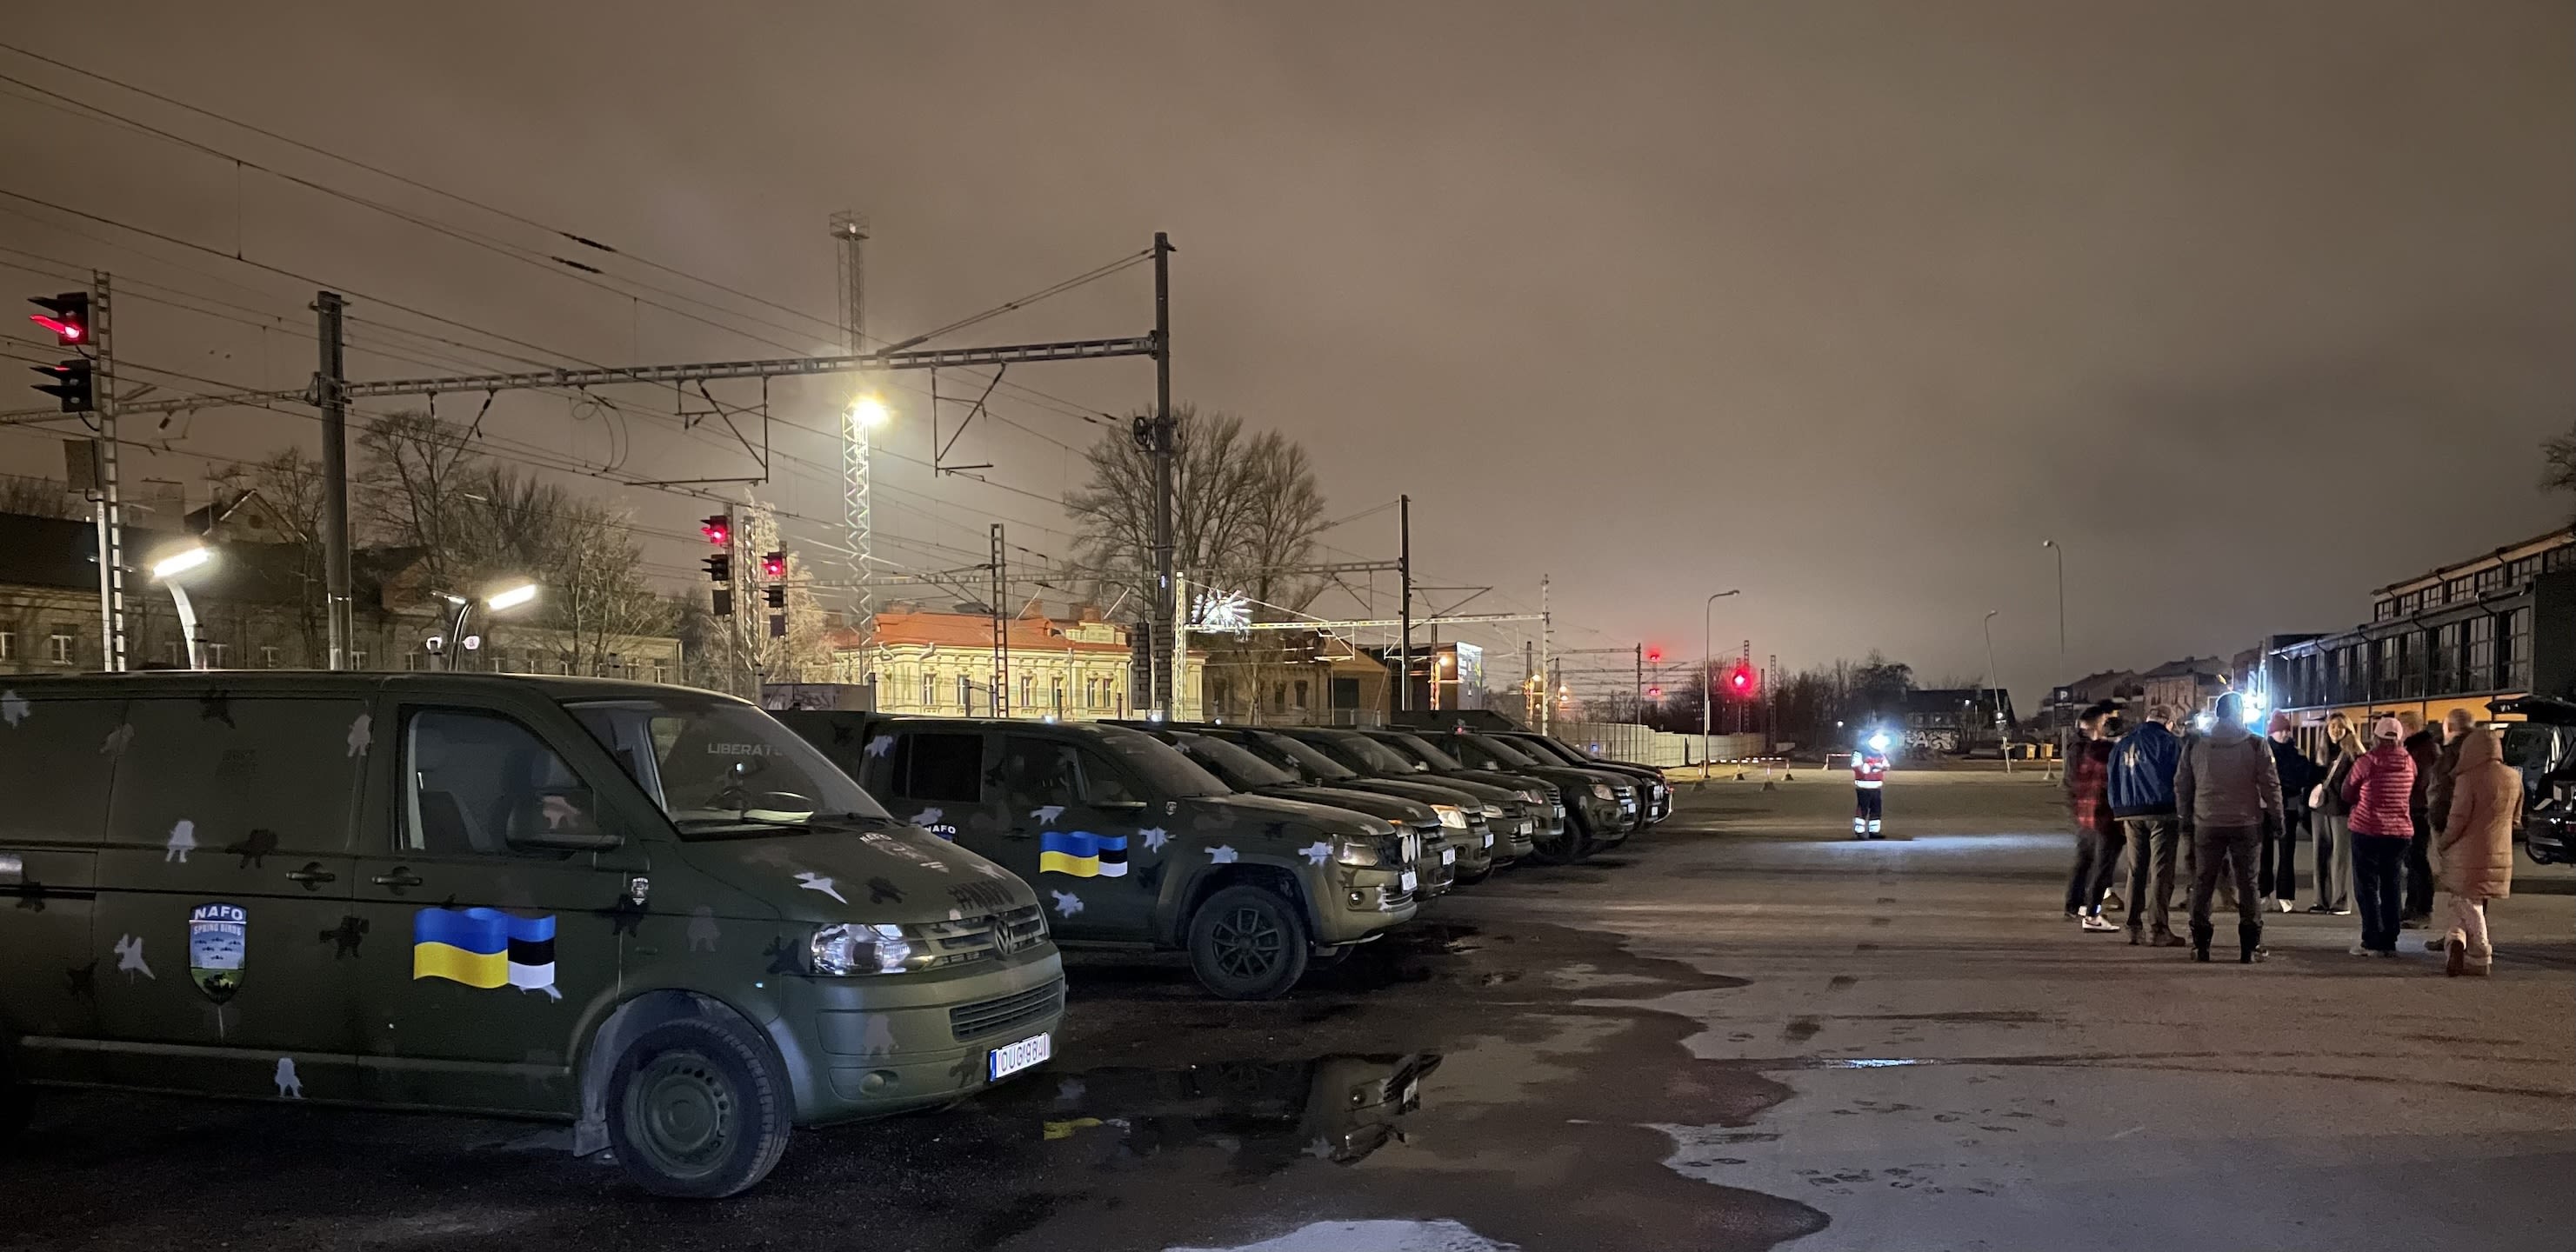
(218, 939)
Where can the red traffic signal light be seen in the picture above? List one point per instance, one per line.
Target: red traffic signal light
(1740, 680)
(1654, 655)
(773, 565)
(67, 315)
(1654, 693)
(717, 529)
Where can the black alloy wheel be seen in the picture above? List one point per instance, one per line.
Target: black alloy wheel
(1247, 943)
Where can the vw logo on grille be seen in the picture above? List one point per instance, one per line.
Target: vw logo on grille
(1004, 942)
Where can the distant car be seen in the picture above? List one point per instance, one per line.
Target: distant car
(1435, 863)
(1653, 790)
(1525, 819)
(1596, 815)
(1463, 825)
(1132, 845)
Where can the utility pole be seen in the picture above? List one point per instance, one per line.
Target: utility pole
(1001, 595)
(1641, 682)
(1180, 659)
(850, 230)
(110, 511)
(330, 384)
(1162, 441)
(1404, 574)
(1529, 681)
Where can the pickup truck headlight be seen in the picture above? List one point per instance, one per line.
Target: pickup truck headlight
(1493, 812)
(1354, 852)
(1533, 797)
(1601, 791)
(1451, 816)
(858, 948)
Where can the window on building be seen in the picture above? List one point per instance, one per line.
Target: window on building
(2559, 558)
(965, 693)
(1301, 693)
(661, 671)
(2521, 572)
(929, 689)
(215, 653)
(357, 658)
(8, 645)
(2518, 668)
(2446, 661)
(268, 658)
(2492, 577)
(58, 648)
(2386, 676)
(1028, 690)
(411, 658)
(1055, 689)
(2413, 647)
(2482, 653)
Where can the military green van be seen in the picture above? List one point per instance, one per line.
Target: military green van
(649, 911)
(1135, 846)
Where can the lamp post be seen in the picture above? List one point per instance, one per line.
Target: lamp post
(1993, 692)
(2064, 741)
(1708, 672)
(166, 571)
(463, 612)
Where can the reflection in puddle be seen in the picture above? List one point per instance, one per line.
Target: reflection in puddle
(1439, 1236)
(1264, 1115)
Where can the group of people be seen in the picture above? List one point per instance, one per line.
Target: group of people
(2390, 821)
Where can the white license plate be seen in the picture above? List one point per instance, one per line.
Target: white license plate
(1448, 856)
(1528, 829)
(1011, 1058)
(1489, 839)
(1409, 881)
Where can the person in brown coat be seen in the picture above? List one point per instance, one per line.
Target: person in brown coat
(2475, 851)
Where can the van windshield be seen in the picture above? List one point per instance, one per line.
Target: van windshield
(721, 767)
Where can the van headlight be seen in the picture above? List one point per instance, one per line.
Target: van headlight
(1601, 791)
(1451, 816)
(857, 948)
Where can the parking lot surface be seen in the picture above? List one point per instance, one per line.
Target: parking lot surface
(1742, 1031)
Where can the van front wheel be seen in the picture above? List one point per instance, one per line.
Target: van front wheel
(694, 1111)
(1248, 944)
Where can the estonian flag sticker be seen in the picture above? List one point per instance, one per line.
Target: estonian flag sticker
(1082, 854)
(484, 948)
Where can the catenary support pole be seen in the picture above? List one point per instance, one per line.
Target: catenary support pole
(1163, 445)
(110, 518)
(330, 383)
(1404, 575)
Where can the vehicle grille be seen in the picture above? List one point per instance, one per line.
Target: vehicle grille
(992, 1017)
(1404, 847)
(990, 935)
(1627, 797)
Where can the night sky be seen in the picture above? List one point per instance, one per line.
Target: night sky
(2253, 306)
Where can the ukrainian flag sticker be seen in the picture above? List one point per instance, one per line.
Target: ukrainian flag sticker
(1082, 854)
(484, 948)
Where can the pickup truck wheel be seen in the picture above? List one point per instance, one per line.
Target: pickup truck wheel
(1248, 944)
(1567, 848)
(694, 1111)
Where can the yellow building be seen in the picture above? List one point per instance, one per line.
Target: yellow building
(944, 663)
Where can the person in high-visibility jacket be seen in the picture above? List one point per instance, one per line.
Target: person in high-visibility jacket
(1869, 782)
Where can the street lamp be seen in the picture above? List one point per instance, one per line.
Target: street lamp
(166, 571)
(1708, 671)
(1993, 693)
(2060, 549)
(462, 612)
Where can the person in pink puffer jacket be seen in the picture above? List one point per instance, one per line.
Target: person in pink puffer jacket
(2380, 789)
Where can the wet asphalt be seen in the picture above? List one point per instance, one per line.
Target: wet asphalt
(1743, 1031)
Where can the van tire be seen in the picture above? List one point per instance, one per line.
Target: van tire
(1247, 943)
(695, 1110)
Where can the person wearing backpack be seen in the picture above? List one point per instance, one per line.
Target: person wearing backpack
(2227, 794)
(2142, 799)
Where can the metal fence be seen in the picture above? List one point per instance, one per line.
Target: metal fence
(1643, 745)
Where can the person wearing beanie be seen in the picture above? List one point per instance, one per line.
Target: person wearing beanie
(2227, 793)
(2378, 789)
(2474, 848)
(2424, 747)
(2278, 873)
(2330, 819)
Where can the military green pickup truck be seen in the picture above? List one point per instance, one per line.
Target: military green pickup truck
(651, 912)
(1135, 846)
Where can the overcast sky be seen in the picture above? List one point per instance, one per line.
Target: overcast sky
(2255, 306)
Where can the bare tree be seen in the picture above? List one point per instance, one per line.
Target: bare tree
(2558, 454)
(291, 483)
(37, 497)
(1245, 512)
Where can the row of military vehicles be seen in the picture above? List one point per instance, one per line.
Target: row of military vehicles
(676, 921)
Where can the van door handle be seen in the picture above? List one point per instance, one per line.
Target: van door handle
(312, 875)
(401, 877)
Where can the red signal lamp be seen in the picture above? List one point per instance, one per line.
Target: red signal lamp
(717, 530)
